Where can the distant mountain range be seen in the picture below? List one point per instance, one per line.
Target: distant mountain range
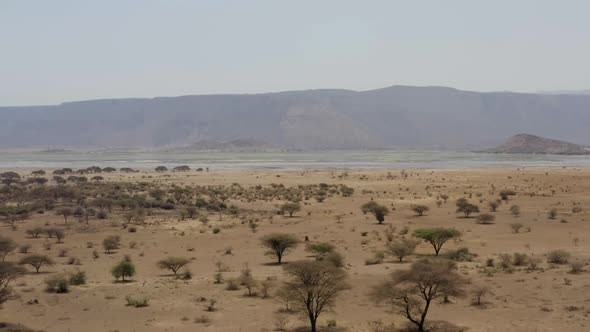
(566, 92)
(531, 144)
(400, 117)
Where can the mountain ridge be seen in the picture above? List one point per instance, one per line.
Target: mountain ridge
(431, 117)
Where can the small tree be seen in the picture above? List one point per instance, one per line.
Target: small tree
(59, 234)
(486, 218)
(401, 248)
(420, 209)
(411, 292)
(173, 263)
(515, 210)
(463, 206)
(192, 212)
(478, 293)
(290, 208)
(286, 296)
(248, 281)
(314, 286)
(494, 205)
(128, 216)
(7, 245)
(110, 243)
(552, 214)
(36, 261)
(65, 212)
(279, 244)
(377, 210)
(8, 273)
(35, 232)
(125, 269)
(437, 237)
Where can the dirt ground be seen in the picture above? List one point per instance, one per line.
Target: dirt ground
(548, 299)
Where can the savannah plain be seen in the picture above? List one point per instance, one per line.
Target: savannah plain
(528, 291)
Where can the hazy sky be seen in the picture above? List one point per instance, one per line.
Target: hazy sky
(54, 51)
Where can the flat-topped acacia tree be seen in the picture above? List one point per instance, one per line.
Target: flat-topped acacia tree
(437, 237)
(173, 263)
(278, 244)
(420, 209)
(290, 208)
(36, 261)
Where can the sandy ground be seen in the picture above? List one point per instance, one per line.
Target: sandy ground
(521, 301)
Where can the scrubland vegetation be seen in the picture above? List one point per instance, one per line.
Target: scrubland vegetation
(191, 249)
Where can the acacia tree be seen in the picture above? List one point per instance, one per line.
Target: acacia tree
(401, 248)
(420, 209)
(7, 245)
(65, 212)
(8, 273)
(110, 243)
(124, 269)
(290, 208)
(313, 287)
(494, 205)
(411, 292)
(377, 210)
(437, 237)
(278, 244)
(173, 263)
(36, 261)
(463, 206)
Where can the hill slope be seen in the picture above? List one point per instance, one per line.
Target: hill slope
(394, 117)
(525, 143)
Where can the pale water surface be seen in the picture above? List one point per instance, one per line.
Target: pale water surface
(317, 159)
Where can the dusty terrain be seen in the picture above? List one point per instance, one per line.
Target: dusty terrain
(546, 299)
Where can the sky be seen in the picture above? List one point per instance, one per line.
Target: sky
(56, 51)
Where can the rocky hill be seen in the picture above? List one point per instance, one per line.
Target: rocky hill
(525, 143)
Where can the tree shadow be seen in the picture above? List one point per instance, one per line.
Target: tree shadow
(124, 281)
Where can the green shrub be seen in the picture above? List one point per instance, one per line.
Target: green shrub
(460, 255)
(57, 284)
(78, 278)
